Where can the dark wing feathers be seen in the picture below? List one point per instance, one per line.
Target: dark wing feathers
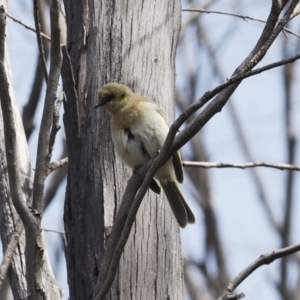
(178, 167)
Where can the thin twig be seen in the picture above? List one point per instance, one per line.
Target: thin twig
(54, 231)
(28, 27)
(58, 164)
(200, 10)
(208, 165)
(39, 37)
(43, 158)
(10, 250)
(265, 259)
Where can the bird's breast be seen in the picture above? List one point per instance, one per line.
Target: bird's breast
(130, 147)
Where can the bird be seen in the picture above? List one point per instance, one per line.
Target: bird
(139, 130)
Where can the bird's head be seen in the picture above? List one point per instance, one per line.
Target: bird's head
(113, 96)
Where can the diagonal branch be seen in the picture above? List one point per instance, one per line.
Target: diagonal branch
(28, 27)
(265, 259)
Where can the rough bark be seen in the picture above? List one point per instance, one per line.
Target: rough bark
(133, 43)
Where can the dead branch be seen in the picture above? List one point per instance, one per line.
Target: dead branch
(58, 164)
(209, 165)
(28, 27)
(10, 251)
(36, 14)
(43, 158)
(245, 18)
(10, 135)
(265, 259)
(29, 109)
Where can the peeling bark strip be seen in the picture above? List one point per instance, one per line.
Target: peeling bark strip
(133, 43)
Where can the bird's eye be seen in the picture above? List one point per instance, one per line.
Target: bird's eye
(110, 97)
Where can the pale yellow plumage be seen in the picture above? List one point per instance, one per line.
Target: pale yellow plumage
(139, 131)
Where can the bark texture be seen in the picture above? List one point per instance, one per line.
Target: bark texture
(134, 43)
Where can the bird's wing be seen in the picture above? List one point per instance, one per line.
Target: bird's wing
(178, 167)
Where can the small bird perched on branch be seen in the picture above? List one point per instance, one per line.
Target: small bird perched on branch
(139, 131)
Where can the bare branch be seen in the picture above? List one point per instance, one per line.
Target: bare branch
(58, 164)
(245, 18)
(43, 158)
(30, 108)
(208, 165)
(265, 259)
(10, 134)
(10, 250)
(39, 37)
(28, 27)
(242, 139)
(13, 160)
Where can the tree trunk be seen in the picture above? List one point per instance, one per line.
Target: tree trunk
(134, 43)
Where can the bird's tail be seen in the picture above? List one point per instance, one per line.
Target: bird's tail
(180, 208)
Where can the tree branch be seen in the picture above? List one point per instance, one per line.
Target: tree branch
(43, 155)
(58, 164)
(208, 165)
(265, 259)
(13, 160)
(39, 37)
(11, 147)
(10, 251)
(28, 27)
(245, 18)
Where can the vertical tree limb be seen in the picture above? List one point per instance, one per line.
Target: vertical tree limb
(39, 37)
(43, 158)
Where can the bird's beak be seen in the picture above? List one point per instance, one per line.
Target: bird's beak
(98, 105)
(101, 102)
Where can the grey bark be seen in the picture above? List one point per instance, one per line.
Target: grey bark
(132, 43)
